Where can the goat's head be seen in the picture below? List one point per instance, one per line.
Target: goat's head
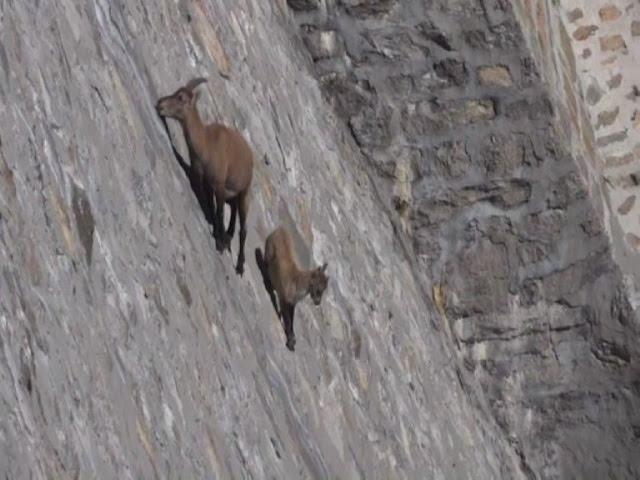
(179, 103)
(318, 283)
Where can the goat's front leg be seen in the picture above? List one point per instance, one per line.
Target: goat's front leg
(243, 207)
(288, 312)
(220, 235)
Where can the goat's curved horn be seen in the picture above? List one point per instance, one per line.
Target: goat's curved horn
(324, 267)
(194, 83)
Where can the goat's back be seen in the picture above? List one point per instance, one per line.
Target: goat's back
(280, 257)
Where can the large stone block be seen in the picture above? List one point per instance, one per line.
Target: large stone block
(612, 43)
(452, 159)
(480, 276)
(609, 13)
(501, 155)
(496, 75)
(367, 8)
(453, 71)
(432, 33)
(463, 111)
(304, 5)
(324, 44)
(585, 31)
(371, 127)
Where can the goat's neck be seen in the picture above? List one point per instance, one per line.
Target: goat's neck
(302, 281)
(194, 131)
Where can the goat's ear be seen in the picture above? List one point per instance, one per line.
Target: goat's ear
(194, 83)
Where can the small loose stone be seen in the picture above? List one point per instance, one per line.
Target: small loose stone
(584, 32)
(607, 117)
(612, 43)
(575, 14)
(615, 81)
(609, 13)
(627, 205)
(495, 75)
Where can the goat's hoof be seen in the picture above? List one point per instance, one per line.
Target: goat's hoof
(240, 269)
(222, 244)
(291, 343)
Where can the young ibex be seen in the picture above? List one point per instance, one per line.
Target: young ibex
(282, 275)
(221, 160)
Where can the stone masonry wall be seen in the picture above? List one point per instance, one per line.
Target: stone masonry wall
(445, 101)
(588, 52)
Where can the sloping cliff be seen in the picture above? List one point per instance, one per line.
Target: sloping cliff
(128, 347)
(449, 109)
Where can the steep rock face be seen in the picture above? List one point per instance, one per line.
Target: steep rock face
(128, 347)
(446, 104)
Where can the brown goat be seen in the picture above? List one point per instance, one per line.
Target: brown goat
(221, 160)
(282, 275)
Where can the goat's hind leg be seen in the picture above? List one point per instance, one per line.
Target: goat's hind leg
(288, 312)
(232, 222)
(208, 204)
(218, 222)
(243, 210)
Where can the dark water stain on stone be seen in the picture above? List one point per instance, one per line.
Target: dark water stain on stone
(84, 220)
(356, 339)
(4, 67)
(162, 310)
(184, 289)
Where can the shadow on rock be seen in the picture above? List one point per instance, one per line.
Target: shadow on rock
(206, 203)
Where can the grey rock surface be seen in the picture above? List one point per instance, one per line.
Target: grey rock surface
(447, 106)
(129, 348)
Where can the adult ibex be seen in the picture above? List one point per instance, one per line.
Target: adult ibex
(221, 160)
